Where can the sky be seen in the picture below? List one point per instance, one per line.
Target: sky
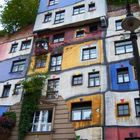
(1, 3)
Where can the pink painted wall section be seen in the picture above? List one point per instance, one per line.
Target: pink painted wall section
(121, 133)
(4, 48)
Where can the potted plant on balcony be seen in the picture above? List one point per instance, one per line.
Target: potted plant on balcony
(7, 122)
(41, 46)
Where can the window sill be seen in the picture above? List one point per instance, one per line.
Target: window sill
(81, 120)
(92, 10)
(58, 22)
(4, 97)
(24, 49)
(41, 132)
(128, 115)
(123, 83)
(11, 52)
(18, 72)
(78, 14)
(77, 85)
(93, 86)
(123, 53)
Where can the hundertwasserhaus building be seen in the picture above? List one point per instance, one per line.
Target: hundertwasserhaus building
(91, 92)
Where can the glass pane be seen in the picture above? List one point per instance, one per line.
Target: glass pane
(43, 127)
(120, 107)
(120, 50)
(120, 79)
(121, 112)
(129, 48)
(86, 114)
(97, 81)
(34, 128)
(126, 78)
(126, 112)
(76, 115)
(91, 82)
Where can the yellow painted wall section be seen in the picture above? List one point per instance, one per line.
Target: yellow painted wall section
(97, 111)
(72, 55)
(32, 68)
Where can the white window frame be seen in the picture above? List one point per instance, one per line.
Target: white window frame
(39, 123)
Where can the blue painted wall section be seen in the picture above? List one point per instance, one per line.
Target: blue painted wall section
(3, 109)
(43, 6)
(132, 85)
(6, 66)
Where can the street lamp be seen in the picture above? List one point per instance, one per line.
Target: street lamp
(131, 23)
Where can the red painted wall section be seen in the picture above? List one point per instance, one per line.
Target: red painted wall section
(70, 35)
(4, 48)
(121, 133)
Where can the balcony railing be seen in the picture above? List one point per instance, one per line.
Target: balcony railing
(52, 94)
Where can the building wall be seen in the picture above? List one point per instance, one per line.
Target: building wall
(132, 85)
(6, 47)
(12, 98)
(94, 133)
(118, 35)
(114, 98)
(5, 72)
(121, 133)
(97, 111)
(68, 91)
(69, 17)
(32, 68)
(72, 55)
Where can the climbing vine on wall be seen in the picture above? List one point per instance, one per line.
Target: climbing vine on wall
(32, 91)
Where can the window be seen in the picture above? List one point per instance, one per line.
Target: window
(89, 53)
(42, 43)
(137, 106)
(123, 109)
(123, 47)
(59, 17)
(118, 24)
(25, 45)
(18, 66)
(58, 38)
(81, 111)
(53, 87)
(40, 63)
(53, 2)
(94, 79)
(79, 9)
(77, 80)
(18, 89)
(123, 75)
(80, 33)
(93, 28)
(91, 6)
(13, 48)
(42, 121)
(56, 63)
(48, 17)
(6, 90)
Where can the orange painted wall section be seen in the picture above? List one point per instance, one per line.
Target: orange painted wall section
(72, 55)
(97, 111)
(32, 68)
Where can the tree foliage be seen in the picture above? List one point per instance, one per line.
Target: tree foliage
(18, 13)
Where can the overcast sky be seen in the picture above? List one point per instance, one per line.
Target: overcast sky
(1, 3)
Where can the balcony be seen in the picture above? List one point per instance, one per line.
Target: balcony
(52, 94)
(41, 46)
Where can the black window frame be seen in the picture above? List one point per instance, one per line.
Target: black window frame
(79, 9)
(89, 49)
(96, 75)
(57, 65)
(61, 17)
(79, 81)
(14, 64)
(6, 88)
(27, 46)
(137, 113)
(53, 2)
(48, 17)
(91, 7)
(40, 63)
(123, 71)
(16, 90)
(13, 46)
(124, 114)
(53, 92)
(82, 33)
(116, 23)
(123, 45)
(81, 106)
(59, 37)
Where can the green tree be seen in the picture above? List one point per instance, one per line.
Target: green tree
(18, 13)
